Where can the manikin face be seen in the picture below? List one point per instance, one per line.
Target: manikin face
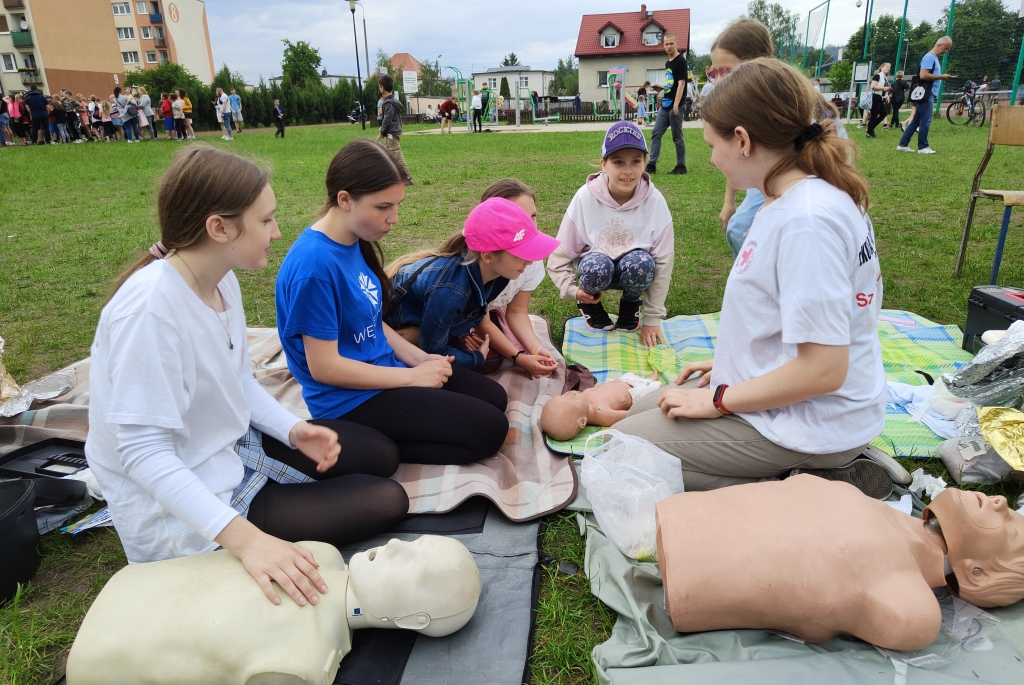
(982, 533)
(433, 575)
(624, 169)
(374, 215)
(250, 247)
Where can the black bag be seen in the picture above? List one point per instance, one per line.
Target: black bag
(919, 90)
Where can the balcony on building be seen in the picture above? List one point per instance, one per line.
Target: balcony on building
(160, 42)
(156, 18)
(14, 4)
(30, 76)
(21, 39)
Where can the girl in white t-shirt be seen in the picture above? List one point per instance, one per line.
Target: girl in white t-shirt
(508, 321)
(190, 451)
(797, 378)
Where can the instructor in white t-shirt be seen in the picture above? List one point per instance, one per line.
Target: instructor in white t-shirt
(797, 379)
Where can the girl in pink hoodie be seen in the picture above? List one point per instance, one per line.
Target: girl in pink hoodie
(617, 235)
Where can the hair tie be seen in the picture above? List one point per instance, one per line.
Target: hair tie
(808, 134)
(158, 250)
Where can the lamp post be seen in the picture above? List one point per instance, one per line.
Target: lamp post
(359, 77)
(366, 42)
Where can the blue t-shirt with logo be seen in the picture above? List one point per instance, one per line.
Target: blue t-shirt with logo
(931, 63)
(236, 102)
(325, 290)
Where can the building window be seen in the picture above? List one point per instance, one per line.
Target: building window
(602, 78)
(10, 63)
(652, 37)
(151, 56)
(492, 83)
(656, 76)
(164, 57)
(127, 33)
(611, 40)
(3, 24)
(159, 31)
(122, 8)
(130, 57)
(154, 8)
(147, 31)
(524, 81)
(141, 8)
(29, 59)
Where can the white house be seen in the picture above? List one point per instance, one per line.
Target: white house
(627, 39)
(529, 80)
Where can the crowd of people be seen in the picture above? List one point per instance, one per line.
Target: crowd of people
(128, 114)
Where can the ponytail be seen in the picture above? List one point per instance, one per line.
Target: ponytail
(453, 247)
(778, 108)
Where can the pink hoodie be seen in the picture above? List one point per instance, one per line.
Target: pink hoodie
(595, 221)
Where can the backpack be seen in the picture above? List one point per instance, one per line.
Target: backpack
(918, 90)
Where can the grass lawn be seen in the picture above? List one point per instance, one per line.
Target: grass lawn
(74, 215)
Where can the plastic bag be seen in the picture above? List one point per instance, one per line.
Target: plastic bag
(973, 460)
(625, 476)
(995, 377)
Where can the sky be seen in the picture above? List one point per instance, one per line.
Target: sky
(470, 35)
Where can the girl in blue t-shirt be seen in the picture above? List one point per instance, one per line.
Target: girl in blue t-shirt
(331, 293)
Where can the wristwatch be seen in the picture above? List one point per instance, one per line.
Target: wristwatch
(717, 399)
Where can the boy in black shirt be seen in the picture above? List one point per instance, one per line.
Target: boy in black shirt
(668, 114)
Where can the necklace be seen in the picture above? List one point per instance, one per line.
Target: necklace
(226, 326)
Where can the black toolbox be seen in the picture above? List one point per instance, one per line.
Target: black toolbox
(19, 536)
(991, 308)
(48, 462)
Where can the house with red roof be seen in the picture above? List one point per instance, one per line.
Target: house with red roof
(627, 39)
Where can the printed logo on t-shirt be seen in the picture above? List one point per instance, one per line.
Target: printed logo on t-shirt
(867, 251)
(746, 256)
(519, 236)
(369, 289)
(615, 238)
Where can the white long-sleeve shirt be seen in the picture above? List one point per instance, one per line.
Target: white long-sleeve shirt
(168, 400)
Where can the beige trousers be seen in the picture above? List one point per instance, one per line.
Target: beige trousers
(395, 147)
(716, 453)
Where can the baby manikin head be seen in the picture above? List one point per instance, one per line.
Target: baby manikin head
(563, 417)
(985, 546)
(430, 585)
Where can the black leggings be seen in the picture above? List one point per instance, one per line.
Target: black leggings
(354, 500)
(877, 113)
(477, 121)
(895, 115)
(460, 423)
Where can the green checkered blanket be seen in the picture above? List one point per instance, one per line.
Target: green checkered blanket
(909, 343)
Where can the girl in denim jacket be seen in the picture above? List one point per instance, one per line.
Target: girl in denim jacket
(446, 291)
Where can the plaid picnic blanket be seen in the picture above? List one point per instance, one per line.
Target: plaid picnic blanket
(909, 343)
(525, 480)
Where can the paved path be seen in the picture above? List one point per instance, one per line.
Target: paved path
(601, 126)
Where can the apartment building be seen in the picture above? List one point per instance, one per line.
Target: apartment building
(88, 45)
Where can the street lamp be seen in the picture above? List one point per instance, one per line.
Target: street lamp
(366, 42)
(359, 77)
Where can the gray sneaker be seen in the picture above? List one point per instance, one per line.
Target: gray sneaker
(864, 474)
(897, 473)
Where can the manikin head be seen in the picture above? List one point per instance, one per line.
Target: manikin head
(563, 417)
(985, 542)
(430, 585)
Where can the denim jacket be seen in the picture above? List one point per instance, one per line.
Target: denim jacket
(446, 301)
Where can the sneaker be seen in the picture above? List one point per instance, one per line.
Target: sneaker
(926, 151)
(896, 472)
(678, 169)
(595, 316)
(628, 315)
(224, 138)
(903, 148)
(864, 474)
(651, 168)
(870, 135)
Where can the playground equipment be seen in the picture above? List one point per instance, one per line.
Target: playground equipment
(464, 97)
(616, 95)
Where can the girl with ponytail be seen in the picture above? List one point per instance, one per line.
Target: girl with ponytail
(797, 378)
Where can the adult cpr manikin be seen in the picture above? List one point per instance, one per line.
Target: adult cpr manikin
(203, 619)
(817, 558)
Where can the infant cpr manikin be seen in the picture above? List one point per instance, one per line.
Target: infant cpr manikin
(203, 619)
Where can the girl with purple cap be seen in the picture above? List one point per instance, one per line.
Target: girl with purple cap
(449, 289)
(617, 235)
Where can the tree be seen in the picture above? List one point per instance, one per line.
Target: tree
(777, 18)
(301, 63)
(431, 82)
(385, 66)
(841, 73)
(698, 63)
(511, 60)
(504, 91)
(227, 80)
(567, 77)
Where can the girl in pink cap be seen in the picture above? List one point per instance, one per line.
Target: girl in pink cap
(446, 292)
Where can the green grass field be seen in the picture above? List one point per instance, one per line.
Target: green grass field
(74, 215)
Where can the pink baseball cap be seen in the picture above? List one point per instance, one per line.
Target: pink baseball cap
(499, 224)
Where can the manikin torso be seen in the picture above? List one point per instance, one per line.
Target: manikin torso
(609, 402)
(806, 556)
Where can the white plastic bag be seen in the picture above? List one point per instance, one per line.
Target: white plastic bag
(973, 460)
(625, 476)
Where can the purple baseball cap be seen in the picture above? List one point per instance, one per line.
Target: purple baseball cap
(623, 134)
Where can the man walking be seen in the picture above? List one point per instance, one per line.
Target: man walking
(668, 112)
(36, 103)
(931, 73)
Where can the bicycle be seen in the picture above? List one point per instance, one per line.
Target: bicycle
(967, 109)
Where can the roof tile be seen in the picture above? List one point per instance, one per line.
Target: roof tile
(631, 24)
